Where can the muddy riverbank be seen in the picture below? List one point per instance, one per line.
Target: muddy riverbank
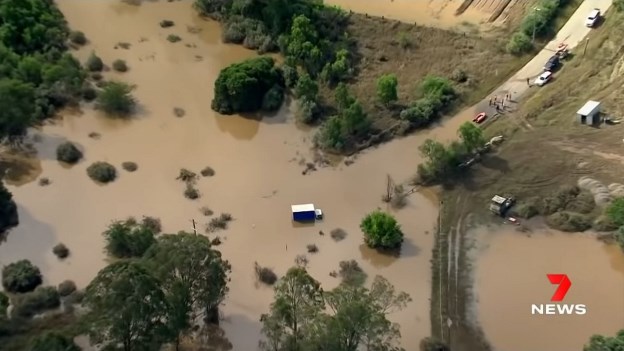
(258, 166)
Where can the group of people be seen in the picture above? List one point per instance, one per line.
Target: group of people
(499, 103)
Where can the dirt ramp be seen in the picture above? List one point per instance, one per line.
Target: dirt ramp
(495, 8)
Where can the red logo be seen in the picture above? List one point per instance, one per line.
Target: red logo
(564, 285)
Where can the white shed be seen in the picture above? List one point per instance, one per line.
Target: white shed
(589, 113)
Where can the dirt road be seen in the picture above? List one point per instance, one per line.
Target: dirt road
(572, 33)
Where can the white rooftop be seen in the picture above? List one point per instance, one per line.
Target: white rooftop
(302, 208)
(588, 108)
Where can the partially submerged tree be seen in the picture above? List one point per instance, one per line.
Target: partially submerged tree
(298, 300)
(193, 276)
(8, 209)
(127, 307)
(472, 136)
(606, 343)
(53, 341)
(248, 86)
(21, 276)
(128, 238)
(116, 99)
(381, 231)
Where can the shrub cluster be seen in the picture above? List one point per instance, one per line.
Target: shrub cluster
(437, 94)
(248, 86)
(102, 172)
(68, 152)
(21, 277)
(538, 21)
(129, 238)
(29, 304)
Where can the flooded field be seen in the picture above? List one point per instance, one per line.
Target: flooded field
(437, 13)
(258, 168)
(511, 273)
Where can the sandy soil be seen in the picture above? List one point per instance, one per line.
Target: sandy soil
(436, 13)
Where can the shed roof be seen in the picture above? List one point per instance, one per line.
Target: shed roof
(302, 208)
(588, 108)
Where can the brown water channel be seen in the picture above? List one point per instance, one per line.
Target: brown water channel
(257, 164)
(511, 270)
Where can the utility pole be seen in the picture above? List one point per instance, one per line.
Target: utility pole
(534, 24)
(194, 227)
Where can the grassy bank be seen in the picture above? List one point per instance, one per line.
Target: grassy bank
(546, 149)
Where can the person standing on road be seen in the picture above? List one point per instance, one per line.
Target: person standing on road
(528, 82)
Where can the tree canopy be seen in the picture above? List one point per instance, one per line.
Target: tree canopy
(8, 209)
(472, 136)
(21, 276)
(606, 343)
(244, 86)
(303, 317)
(52, 341)
(128, 238)
(116, 99)
(193, 276)
(615, 211)
(127, 307)
(381, 230)
(37, 76)
(387, 88)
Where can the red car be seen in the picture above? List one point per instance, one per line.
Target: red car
(480, 117)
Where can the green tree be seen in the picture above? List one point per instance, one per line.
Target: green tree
(606, 343)
(338, 70)
(127, 307)
(298, 300)
(343, 97)
(437, 88)
(619, 237)
(8, 209)
(306, 88)
(472, 136)
(53, 341)
(519, 43)
(303, 43)
(330, 135)
(387, 88)
(31, 26)
(17, 110)
(358, 318)
(194, 277)
(241, 87)
(21, 276)
(354, 120)
(381, 230)
(619, 5)
(615, 211)
(128, 238)
(116, 99)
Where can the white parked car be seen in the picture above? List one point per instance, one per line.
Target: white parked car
(592, 18)
(543, 78)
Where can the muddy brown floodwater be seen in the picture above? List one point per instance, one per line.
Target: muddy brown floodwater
(257, 164)
(511, 270)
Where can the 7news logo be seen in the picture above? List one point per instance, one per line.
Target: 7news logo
(564, 285)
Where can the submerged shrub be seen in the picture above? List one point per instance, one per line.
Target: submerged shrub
(191, 192)
(172, 38)
(116, 99)
(129, 166)
(60, 250)
(94, 63)
(120, 65)
(66, 288)
(102, 172)
(21, 276)
(207, 172)
(351, 273)
(68, 152)
(128, 238)
(265, 274)
(166, 23)
(77, 37)
(32, 303)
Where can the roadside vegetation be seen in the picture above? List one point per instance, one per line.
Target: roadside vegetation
(347, 79)
(8, 209)
(538, 22)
